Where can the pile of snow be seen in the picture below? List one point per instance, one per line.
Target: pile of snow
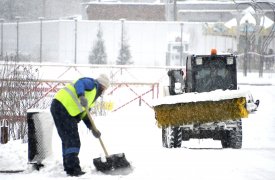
(13, 156)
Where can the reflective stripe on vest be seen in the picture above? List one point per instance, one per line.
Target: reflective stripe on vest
(68, 98)
(79, 106)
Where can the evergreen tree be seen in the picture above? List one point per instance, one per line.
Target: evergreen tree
(98, 54)
(124, 56)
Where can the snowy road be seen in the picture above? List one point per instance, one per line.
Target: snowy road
(134, 132)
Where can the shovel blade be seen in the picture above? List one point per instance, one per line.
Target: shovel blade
(112, 162)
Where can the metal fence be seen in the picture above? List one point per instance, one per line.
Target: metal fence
(71, 41)
(129, 84)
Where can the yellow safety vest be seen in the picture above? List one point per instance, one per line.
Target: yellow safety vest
(68, 98)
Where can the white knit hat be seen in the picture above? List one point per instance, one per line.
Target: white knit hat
(103, 80)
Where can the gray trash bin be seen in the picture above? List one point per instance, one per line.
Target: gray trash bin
(40, 126)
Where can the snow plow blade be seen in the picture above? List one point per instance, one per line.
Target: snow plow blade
(181, 113)
(110, 163)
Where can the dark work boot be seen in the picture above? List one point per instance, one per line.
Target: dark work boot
(71, 165)
(75, 172)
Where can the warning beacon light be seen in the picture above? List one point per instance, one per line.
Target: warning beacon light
(213, 51)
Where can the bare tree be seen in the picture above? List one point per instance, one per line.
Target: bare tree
(18, 92)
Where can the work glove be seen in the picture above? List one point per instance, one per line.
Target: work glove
(96, 133)
(83, 101)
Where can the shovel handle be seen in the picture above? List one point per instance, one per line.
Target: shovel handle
(94, 127)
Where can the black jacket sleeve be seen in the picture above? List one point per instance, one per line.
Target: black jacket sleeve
(87, 122)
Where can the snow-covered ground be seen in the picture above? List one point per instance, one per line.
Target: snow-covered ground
(133, 130)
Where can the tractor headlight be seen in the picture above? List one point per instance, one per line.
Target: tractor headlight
(230, 60)
(178, 89)
(199, 61)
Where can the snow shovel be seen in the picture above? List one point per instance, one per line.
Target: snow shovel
(109, 162)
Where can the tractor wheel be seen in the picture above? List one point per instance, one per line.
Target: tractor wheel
(171, 137)
(236, 136)
(225, 141)
(233, 138)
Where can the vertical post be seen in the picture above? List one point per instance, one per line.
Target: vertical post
(261, 68)
(99, 29)
(41, 38)
(2, 37)
(181, 45)
(153, 91)
(246, 49)
(122, 32)
(44, 8)
(157, 90)
(175, 10)
(232, 43)
(121, 62)
(262, 57)
(75, 40)
(17, 18)
(238, 17)
(4, 132)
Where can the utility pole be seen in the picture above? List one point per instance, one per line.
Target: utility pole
(2, 36)
(41, 38)
(17, 18)
(181, 45)
(175, 10)
(44, 8)
(122, 33)
(245, 50)
(75, 40)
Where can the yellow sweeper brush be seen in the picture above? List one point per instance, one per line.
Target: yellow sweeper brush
(215, 106)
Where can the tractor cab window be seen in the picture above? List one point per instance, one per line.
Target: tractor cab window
(212, 78)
